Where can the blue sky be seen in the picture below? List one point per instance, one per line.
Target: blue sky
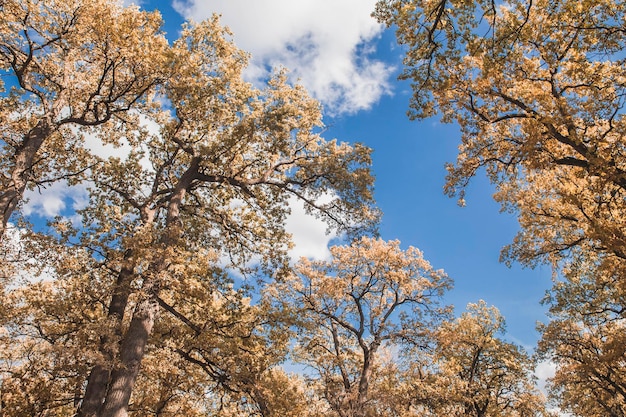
(350, 63)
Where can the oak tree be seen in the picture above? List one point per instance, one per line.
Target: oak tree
(69, 67)
(370, 298)
(586, 339)
(485, 375)
(212, 168)
(591, 373)
(538, 90)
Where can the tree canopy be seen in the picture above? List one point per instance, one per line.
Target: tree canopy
(538, 89)
(370, 298)
(212, 167)
(72, 66)
(171, 291)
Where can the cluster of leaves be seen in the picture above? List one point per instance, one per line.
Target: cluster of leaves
(141, 277)
(137, 303)
(375, 340)
(538, 90)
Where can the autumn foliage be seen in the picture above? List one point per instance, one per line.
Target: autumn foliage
(170, 292)
(538, 88)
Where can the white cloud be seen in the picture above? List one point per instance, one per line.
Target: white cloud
(106, 150)
(123, 148)
(52, 200)
(544, 371)
(309, 234)
(11, 242)
(21, 267)
(326, 44)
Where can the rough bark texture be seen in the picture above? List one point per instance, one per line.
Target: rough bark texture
(133, 346)
(99, 378)
(132, 352)
(24, 159)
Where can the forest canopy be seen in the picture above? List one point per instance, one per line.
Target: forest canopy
(170, 289)
(537, 89)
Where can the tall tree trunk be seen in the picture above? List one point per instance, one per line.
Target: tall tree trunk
(259, 398)
(98, 380)
(11, 196)
(132, 352)
(134, 344)
(369, 355)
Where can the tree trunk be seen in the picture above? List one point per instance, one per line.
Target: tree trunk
(11, 196)
(369, 355)
(95, 391)
(99, 378)
(134, 344)
(132, 352)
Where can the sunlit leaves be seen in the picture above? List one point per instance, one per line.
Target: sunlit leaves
(354, 311)
(69, 64)
(487, 376)
(538, 91)
(141, 275)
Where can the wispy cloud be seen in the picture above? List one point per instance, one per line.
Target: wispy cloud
(544, 371)
(326, 44)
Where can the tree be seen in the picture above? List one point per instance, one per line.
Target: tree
(211, 350)
(205, 188)
(586, 339)
(480, 374)
(591, 373)
(70, 66)
(369, 298)
(538, 90)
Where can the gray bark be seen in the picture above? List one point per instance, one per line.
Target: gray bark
(11, 196)
(100, 375)
(132, 352)
(134, 344)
